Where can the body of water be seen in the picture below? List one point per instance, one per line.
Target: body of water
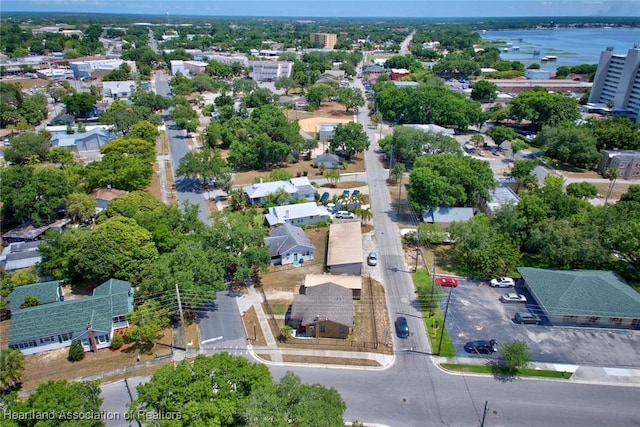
(572, 46)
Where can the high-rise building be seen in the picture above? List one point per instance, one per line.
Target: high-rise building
(325, 39)
(617, 80)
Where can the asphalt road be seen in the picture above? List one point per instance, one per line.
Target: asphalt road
(186, 189)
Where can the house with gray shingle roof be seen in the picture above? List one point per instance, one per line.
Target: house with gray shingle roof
(20, 255)
(289, 244)
(91, 320)
(296, 188)
(593, 298)
(323, 311)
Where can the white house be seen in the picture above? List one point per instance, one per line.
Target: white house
(297, 188)
(299, 214)
(289, 244)
(122, 89)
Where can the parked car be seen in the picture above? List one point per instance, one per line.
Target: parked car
(324, 197)
(355, 193)
(481, 346)
(502, 282)
(525, 317)
(372, 259)
(402, 327)
(447, 282)
(345, 194)
(513, 297)
(345, 215)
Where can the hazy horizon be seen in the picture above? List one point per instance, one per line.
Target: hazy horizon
(338, 9)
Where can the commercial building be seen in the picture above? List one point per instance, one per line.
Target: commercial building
(617, 80)
(270, 71)
(325, 39)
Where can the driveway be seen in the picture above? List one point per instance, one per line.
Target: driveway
(475, 312)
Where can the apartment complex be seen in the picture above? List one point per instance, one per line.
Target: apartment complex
(626, 161)
(618, 80)
(325, 39)
(270, 71)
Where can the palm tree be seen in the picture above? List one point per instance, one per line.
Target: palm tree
(365, 214)
(612, 175)
(11, 367)
(237, 200)
(358, 199)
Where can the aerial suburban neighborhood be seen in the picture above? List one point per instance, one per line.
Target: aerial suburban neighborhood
(318, 222)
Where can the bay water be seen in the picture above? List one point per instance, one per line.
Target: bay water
(571, 46)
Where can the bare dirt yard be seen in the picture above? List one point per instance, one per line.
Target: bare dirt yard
(53, 365)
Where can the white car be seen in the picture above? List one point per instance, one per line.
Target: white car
(502, 282)
(513, 297)
(345, 215)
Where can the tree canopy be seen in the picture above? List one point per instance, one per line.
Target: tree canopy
(544, 108)
(349, 139)
(408, 143)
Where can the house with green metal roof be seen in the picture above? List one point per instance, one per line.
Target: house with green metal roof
(45, 292)
(593, 298)
(91, 320)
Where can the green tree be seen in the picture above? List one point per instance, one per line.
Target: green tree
(11, 368)
(280, 174)
(499, 134)
(407, 143)
(148, 320)
(483, 250)
(116, 248)
(318, 93)
(332, 175)
(81, 207)
(145, 130)
(212, 390)
(28, 148)
(117, 341)
(515, 355)
(632, 194)
(521, 172)
(136, 147)
(286, 83)
(30, 301)
(349, 139)
(569, 143)
(79, 104)
(286, 403)
(612, 175)
(62, 397)
(484, 90)
(544, 108)
(76, 352)
(582, 190)
(349, 97)
(122, 73)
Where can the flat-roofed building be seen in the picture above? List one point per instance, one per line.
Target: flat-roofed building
(345, 254)
(325, 39)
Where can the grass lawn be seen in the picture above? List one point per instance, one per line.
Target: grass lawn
(501, 370)
(434, 320)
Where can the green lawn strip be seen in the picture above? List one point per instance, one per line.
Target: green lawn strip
(429, 296)
(488, 369)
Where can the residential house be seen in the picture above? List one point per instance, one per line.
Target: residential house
(121, 89)
(20, 255)
(289, 244)
(91, 140)
(29, 233)
(593, 298)
(626, 161)
(296, 188)
(326, 131)
(344, 253)
(104, 195)
(373, 69)
(500, 196)
(444, 216)
(45, 292)
(328, 160)
(299, 214)
(398, 73)
(323, 311)
(91, 320)
(350, 282)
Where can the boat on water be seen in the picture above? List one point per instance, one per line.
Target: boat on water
(506, 49)
(544, 59)
(516, 48)
(551, 58)
(536, 52)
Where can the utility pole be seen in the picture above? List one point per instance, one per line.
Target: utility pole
(444, 323)
(182, 327)
(484, 413)
(399, 193)
(433, 283)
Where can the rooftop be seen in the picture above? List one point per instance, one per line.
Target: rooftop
(345, 243)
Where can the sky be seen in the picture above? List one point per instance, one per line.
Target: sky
(336, 8)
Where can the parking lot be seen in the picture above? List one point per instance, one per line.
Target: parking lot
(476, 313)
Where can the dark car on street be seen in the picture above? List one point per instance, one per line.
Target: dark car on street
(324, 197)
(402, 327)
(481, 346)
